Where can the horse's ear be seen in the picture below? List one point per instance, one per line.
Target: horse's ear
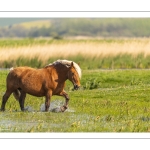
(78, 63)
(71, 64)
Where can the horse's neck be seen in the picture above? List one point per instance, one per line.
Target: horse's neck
(61, 71)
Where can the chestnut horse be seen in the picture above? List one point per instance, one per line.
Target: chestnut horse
(46, 81)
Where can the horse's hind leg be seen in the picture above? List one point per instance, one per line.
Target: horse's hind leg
(4, 100)
(22, 100)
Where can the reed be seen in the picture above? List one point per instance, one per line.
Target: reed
(104, 53)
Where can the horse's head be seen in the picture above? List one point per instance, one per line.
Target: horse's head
(73, 76)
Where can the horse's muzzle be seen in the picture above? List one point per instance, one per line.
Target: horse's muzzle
(76, 87)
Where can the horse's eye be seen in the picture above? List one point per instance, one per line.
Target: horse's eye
(72, 73)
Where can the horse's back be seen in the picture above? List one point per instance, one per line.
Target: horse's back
(18, 72)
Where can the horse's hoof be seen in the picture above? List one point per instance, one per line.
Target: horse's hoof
(2, 110)
(63, 108)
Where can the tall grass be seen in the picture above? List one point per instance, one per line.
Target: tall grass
(90, 53)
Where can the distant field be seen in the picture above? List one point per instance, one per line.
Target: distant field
(35, 24)
(90, 53)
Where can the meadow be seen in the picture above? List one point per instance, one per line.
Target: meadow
(108, 101)
(114, 93)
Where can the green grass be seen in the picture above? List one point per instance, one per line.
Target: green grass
(118, 101)
(22, 42)
(15, 42)
(124, 61)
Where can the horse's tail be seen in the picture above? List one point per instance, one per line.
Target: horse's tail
(16, 94)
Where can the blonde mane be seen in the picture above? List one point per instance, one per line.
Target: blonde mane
(68, 63)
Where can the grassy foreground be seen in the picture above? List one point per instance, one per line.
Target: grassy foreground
(108, 101)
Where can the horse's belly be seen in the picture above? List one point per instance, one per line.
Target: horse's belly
(38, 94)
(34, 92)
(33, 89)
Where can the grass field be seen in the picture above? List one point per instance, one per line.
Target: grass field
(108, 101)
(35, 24)
(115, 91)
(90, 53)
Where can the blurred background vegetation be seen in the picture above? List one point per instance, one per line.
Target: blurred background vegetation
(68, 27)
(116, 42)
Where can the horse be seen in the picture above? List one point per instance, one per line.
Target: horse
(46, 81)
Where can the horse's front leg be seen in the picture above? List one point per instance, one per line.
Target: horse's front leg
(65, 106)
(47, 100)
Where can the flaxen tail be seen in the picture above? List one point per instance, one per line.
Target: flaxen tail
(16, 94)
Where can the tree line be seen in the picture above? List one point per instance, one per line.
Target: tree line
(95, 27)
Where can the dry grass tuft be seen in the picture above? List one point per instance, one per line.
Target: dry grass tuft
(90, 49)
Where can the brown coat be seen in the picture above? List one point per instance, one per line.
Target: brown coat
(47, 81)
